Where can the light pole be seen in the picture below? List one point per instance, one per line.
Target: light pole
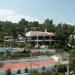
(30, 62)
(68, 59)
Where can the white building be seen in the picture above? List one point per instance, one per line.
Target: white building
(20, 39)
(40, 38)
(8, 40)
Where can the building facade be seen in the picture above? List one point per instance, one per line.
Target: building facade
(40, 38)
(8, 40)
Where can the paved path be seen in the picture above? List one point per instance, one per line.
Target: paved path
(42, 58)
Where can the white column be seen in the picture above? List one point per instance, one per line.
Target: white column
(37, 41)
(67, 69)
(50, 40)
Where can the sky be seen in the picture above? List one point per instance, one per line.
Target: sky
(61, 11)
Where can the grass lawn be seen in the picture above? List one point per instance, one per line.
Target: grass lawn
(60, 74)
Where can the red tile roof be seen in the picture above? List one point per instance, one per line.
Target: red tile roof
(39, 33)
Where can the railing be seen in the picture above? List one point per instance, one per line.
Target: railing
(40, 40)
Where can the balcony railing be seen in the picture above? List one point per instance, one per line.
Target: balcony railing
(40, 40)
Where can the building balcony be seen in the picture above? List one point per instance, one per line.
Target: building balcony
(40, 40)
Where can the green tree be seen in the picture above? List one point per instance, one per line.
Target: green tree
(63, 32)
(48, 24)
(22, 26)
(72, 60)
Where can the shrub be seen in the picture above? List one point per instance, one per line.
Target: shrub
(19, 71)
(61, 68)
(26, 70)
(35, 72)
(8, 72)
(1, 65)
(43, 68)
